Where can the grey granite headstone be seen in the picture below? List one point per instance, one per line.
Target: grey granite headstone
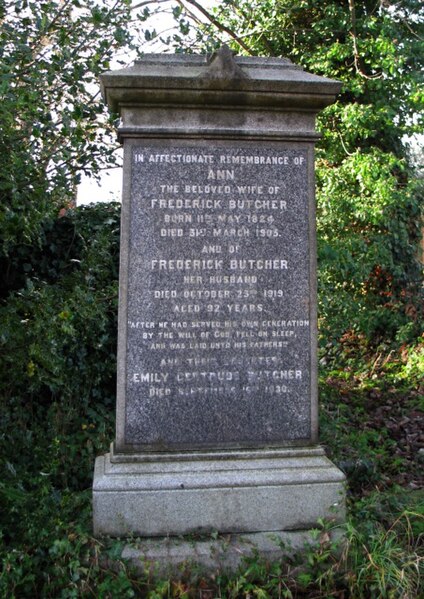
(217, 365)
(218, 331)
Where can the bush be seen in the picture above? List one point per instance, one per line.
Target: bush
(58, 350)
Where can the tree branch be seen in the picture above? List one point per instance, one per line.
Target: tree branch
(356, 55)
(262, 35)
(219, 25)
(147, 2)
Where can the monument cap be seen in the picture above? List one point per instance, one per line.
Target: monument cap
(218, 79)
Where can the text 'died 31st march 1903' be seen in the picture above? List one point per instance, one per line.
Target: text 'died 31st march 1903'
(218, 332)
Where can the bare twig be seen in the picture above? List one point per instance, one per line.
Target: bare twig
(356, 55)
(219, 25)
(343, 144)
(408, 26)
(147, 2)
(262, 35)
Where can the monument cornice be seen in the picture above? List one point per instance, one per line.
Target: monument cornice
(250, 82)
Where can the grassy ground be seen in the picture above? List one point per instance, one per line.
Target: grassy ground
(372, 426)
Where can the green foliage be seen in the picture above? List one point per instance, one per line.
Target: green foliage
(57, 347)
(369, 201)
(57, 354)
(371, 418)
(53, 125)
(376, 562)
(59, 296)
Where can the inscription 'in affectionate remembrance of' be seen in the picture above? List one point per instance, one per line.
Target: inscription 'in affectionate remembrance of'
(218, 333)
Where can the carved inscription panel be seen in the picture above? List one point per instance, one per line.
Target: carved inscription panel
(218, 332)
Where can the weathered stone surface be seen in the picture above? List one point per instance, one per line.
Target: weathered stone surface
(217, 367)
(219, 335)
(172, 556)
(270, 82)
(267, 490)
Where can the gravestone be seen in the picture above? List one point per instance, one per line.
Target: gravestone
(217, 359)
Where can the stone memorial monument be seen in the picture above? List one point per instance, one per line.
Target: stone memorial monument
(217, 360)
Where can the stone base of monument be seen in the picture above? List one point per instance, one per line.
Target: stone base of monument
(177, 556)
(260, 498)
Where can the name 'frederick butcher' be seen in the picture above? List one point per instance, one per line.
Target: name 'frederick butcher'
(213, 264)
